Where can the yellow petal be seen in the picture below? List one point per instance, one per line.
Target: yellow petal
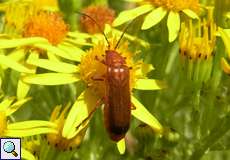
(144, 69)
(141, 113)
(17, 54)
(4, 60)
(173, 24)
(23, 88)
(79, 35)
(27, 155)
(154, 18)
(190, 13)
(51, 78)
(11, 43)
(60, 67)
(108, 29)
(52, 57)
(77, 42)
(131, 14)
(30, 124)
(57, 51)
(14, 107)
(6, 103)
(79, 115)
(29, 132)
(72, 51)
(121, 146)
(225, 66)
(226, 39)
(149, 84)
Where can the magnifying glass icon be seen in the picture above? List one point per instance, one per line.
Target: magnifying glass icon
(9, 147)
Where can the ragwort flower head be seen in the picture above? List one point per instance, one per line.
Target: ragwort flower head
(91, 67)
(93, 73)
(57, 139)
(197, 41)
(16, 14)
(101, 14)
(156, 10)
(176, 5)
(49, 25)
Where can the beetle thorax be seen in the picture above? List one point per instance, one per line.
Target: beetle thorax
(113, 58)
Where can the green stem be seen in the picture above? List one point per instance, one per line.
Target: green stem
(217, 132)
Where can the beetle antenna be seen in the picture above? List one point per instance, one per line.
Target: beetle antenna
(124, 31)
(83, 14)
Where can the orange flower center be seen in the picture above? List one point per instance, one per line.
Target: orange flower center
(49, 25)
(101, 14)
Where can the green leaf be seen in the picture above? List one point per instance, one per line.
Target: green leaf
(51, 79)
(149, 84)
(190, 13)
(131, 14)
(173, 24)
(154, 18)
(60, 67)
(4, 60)
(11, 43)
(141, 113)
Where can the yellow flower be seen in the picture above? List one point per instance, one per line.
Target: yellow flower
(20, 129)
(49, 25)
(45, 33)
(32, 145)
(17, 12)
(197, 41)
(156, 10)
(91, 68)
(58, 140)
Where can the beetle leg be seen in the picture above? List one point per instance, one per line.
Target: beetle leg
(98, 104)
(98, 78)
(101, 61)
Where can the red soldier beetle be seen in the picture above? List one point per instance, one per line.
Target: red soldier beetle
(117, 99)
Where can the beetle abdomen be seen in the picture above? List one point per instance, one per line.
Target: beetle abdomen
(117, 106)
